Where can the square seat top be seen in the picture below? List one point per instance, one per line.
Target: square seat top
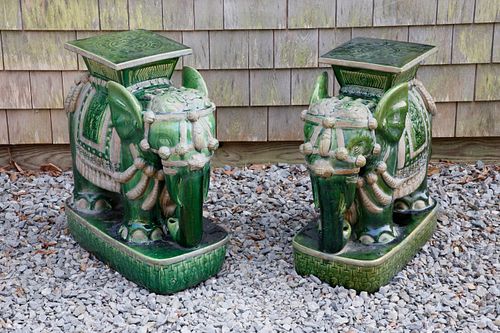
(378, 54)
(122, 50)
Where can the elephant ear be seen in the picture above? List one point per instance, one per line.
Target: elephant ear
(191, 78)
(320, 88)
(391, 113)
(126, 112)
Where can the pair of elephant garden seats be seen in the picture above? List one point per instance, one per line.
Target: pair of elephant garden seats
(141, 152)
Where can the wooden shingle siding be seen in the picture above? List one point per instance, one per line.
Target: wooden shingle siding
(242, 124)
(303, 81)
(449, 83)
(295, 48)
(37, 50)
(255, 14)
(496, 44)
(395, 33)
(59, 125)
(404, 12)
(330, 38)
(478, 119)
(472, 43)
(145, 14)
(258, 57)
(209, 14)
(4, 129)
(311, 14)
(487, 11)
(60, 15)
(113, 14)
(443, 123)
(285, 123)
(354, 13)
(488, 82)
(270, 87)
(68, 80)
(228, 87)
(178, 14)
(29, 126)
(261, 49)
(10, 15)
(46, 90)
(455, 11)
(198, 41)
(441, 36)
(228, 49)
(1, 54)
(15, 91)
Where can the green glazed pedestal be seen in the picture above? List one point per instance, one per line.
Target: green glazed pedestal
(367, 151)
(141, 151)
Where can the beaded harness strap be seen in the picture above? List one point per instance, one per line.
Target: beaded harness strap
(327, 125)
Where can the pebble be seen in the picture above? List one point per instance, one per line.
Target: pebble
(48, 283)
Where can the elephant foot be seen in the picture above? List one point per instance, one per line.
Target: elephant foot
(137, 232)
(382, 235)
(92, 204)
(414, 204)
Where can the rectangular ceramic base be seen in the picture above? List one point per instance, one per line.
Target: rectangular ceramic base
(162, 266)
(359, 266)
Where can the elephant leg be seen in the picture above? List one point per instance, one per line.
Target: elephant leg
(335, 195)
(140, 225)
(90, 198)
(187, 189)
(375, 226)
(140, 218)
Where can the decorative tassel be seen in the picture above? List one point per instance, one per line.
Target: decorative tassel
(139, 189)
(325, 143)
(199, 140)
(150, 201)
(391, 181)
(367, 203)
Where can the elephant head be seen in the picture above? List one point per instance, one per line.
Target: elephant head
(351, 149)
(171, 131)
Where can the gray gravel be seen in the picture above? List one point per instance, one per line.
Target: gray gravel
(49, 284)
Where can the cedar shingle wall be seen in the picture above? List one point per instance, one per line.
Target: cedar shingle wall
(259, 57)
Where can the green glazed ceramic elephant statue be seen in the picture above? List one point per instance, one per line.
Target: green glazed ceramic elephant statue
(367, 160)
(157, 141)
(367, 151)
(141, 150)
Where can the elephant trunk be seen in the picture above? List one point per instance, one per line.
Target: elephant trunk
(335, 196)
(186, 189)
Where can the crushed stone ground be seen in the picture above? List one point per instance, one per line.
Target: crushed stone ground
(48, 283)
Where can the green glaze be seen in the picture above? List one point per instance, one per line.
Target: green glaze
(376, 51)
(141, 147)
(162, 267)
(357, 266)
(129, 57)
(122, 47)
(367, 151)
